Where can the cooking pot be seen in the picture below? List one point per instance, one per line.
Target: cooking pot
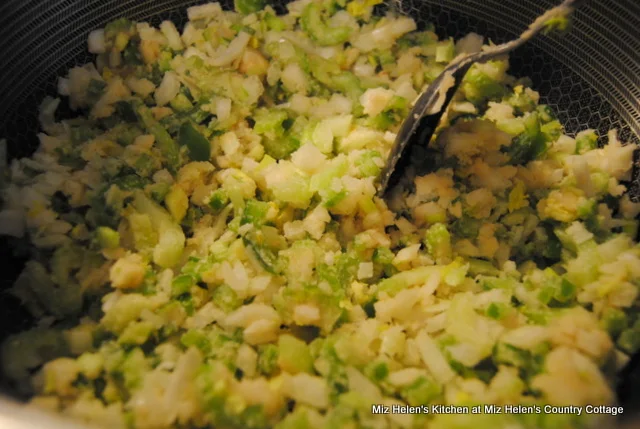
(590, 77)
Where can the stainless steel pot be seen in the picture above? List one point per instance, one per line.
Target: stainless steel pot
(591, 78)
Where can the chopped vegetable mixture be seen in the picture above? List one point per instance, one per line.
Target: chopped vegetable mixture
(207, 249)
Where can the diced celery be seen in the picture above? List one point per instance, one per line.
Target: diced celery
(342, 272)
(64, 261)
(438, 242)
(585, 141)
(177, 203)
(82, 133)
(136, 334)
(225, 298)
(553, 247)
(347, 83)
(434, 71)
(377, 371)
(171, 238)
(247, 7)
(629, 340)
(181, 285)
(546, 113)
(368, 165)
(91, 365)
(513, 126)
(289, 185)
(614, 321)
(322, 180)
(497, 310)
(297, 419)
(107, 238)
(281, 147)
(164, 141)
(268, 257)
(268, 359)
(294, 355)
(320, 135)
(332, 198)
(269, 121)
(466, 227)
(311, 22)
(517, 200)
(565, 292)
(445, 51)
(551, 130)
(359, 8)
(196, 266)
(530, 363)
(131, 54)
(422, 391)
(130, 182)
(219, 199)
(126, 310)
(406, 279)
(328, 304)
(120, 25)
(144, 236)
(478, 86)
(273, 22)
(145, 165)
(181, 103)
(382, 121)
(481, 267)
(383, 256)
(95, 89)
(164, 64)
(521, 101)
(631, 229)
(386, 58)
(133, 368)
(528, 145)
(255, 212)
(196, 338)
(125, 134)
(455, 272)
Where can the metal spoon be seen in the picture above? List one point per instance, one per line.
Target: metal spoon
(426, 113)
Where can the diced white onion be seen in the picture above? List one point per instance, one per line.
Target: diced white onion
(96, 42)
